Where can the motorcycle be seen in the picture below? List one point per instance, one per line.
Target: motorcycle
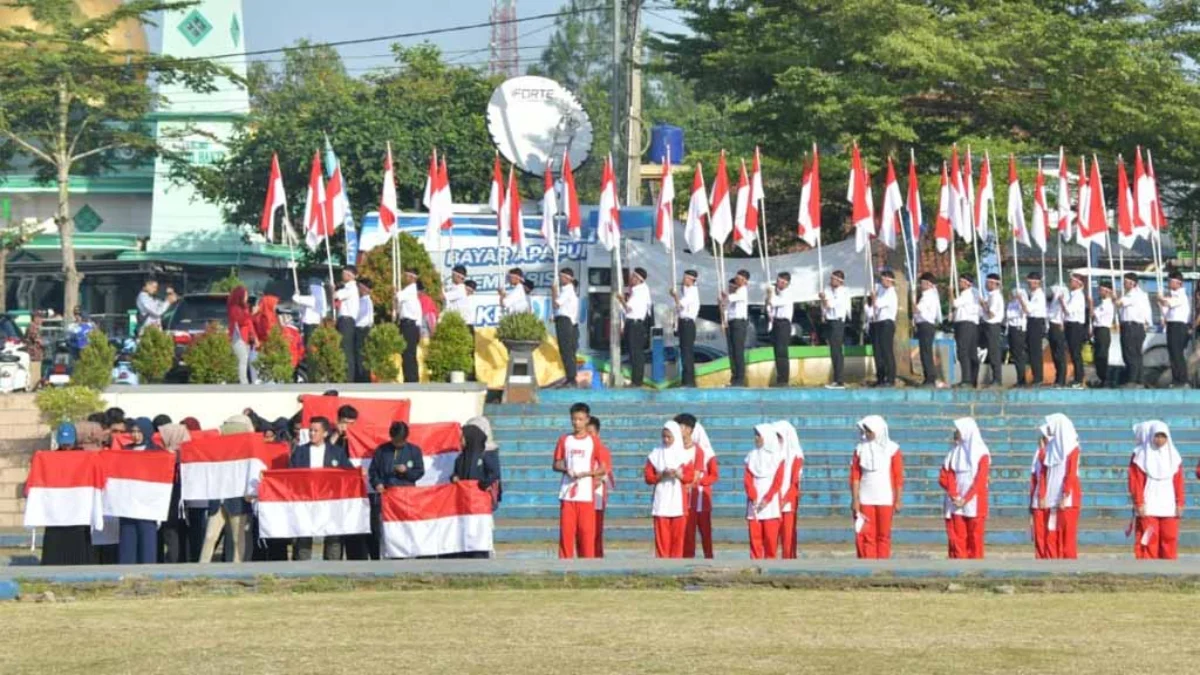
(123, 372)
(14, 368)
(60, 366)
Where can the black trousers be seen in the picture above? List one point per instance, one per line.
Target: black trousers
(360, 337)
(687, 352)
(1017, 344)
(1133, 335)
(882, 336)
(302, 548)
(966, 342)
(568, 343)
(1101, 339)
(1035, 330)
(635, 341)
(307, 331)
(836, 337)
(1177, 339)
(346, 328)
(1058, 352)
(991, 339)
(365, 546)
(925, 334)
(781, 337)
(737, 352)
(1076, 336)
(408, 360)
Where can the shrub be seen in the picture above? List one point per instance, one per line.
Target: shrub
(210, 359)
(384, 343)
(95, 365)
(58, 405)
(275, 358)
(326, 362)
(451, 348)
(523, 327)
(376, 266)
(154, 356)
(227, 284)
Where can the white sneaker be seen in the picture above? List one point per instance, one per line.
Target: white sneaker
(835, 385)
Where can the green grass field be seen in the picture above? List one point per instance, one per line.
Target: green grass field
(576, 631)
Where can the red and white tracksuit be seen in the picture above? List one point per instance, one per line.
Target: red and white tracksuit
(1055, 530)
(601, 503)
(878, 495)
(699, 515)
(965, 527)
(1157, 532)
(577, 509)
(789, 504)
(670, 505)
(764, 525)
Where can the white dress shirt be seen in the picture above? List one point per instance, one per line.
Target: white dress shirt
(1014, 315)
(995, 305)
(884, 308)
(781, 305)
(1035, 301)
(1102, 314)
(1178, 308)
(457, 300)
(929, 307)
(515, 300)
(1076, 307)
(347, 297)
(409, 303)
(689, 303)
(568, 303)
(739, 304)
(837, 306)
(366, 312)
(316, 456)
(1135, 307)
(311, 316)
(1054, 310)
(638, 306)
(966, 306)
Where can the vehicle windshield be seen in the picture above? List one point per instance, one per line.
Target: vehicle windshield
(195, 313)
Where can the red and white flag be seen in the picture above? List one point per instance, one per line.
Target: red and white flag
(337, 205)
(986, 199)
(388, 210)
(1016, 205)
(1158, 216)
(664, 218)
(437, 520)
(570, 199)
(893, 205)
(312, 503)
(440, 444)
(65, 489)
(445, 199)
(549, 208)
(1043, 224)
(1127, 233)
(960, 207)
(743, 227)
(1096, 229)
(720, 212)
(432, 201)
(915, 220)
(608, 226)
(757, 196)
(1066, 217)
(969, 186)
(512, 210)
(226, 467)
(943, 227)
(276, 199)
(808, 221)
(316, 225)
(137, 484)
(693, 231)
(861, 212)
(1082, 204)
(496, 201)
(375, 416)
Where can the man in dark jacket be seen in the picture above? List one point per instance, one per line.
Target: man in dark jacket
(397, 464)
(317, 454)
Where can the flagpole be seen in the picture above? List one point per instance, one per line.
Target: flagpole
(1016, 264)
(1000, 258)
(287, 234)
(329, 261)
(905, 236)
(953, 282)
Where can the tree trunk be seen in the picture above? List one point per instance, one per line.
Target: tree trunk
(4, 279)
(66, 226)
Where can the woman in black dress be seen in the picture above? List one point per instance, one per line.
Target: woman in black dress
(67, 545)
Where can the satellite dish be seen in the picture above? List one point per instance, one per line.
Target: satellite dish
(534, 120)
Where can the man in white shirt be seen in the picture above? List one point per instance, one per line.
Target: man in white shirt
(882, 305)
(991, 321)
(1177, 314)
(150, 309)
(1015, 322)
(514, 300)
(566, 321)
(966, 331)
(1075, 306)
(345, 300)
(318, 453)
(1056, 335)
(314, 308)
(1033, 304)
(780, 308)
(929, 315)
(687, 308)
(408, 303)
(737, 311)
(1134, 314)
(1103, 316)
(835, 311)
(362, 327)
(455, 297)
(637, 324)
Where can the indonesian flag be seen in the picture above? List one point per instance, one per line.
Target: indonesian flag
(337, 205)
(915, 219)
(437, 520)
(986, 197)
(969, 186)
(316, 225)
(664, 219)
(226, 467)
(1157, 217)
(312, 503)
(893, 205)
(693, 231)
(65, 489)
(512, 207)
(1016, 204)
(444, 198)
(549, 208)
(1065, 215)
(808, 222)
(1127, 234)
(440, 443)
(1042, 222)
(943, 227)
(375, 416)
(276, 199)
(1083, 204)
(388, 211)
(1143, 195)
(720, 220)
(138, 483)
(608, 225)
(496, 200)
(743, 234)
(1096, 230)
(960, 210)
(431, 200)
(757, 195)
(861, 214)
(570, 199)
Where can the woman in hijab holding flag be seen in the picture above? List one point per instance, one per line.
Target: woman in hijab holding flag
(789, 503)
(1156, 488)
(668, 468)
(764, 483)
(876, 483)
(964, 477)
(137, 542)
(1054, 491)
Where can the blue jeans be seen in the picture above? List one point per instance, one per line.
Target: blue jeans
(138, 542)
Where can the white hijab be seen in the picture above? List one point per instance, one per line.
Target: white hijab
(1061, 439)
(700, 438)
(789, 440)
(670, 457)
(764, 461)
(1158, 463)
(874, 455)
(970, 448)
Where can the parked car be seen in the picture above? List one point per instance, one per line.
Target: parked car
(187, 320)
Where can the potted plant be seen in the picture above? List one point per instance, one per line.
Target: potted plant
(451, 350)
(327, 361)
(210, 359)
(384, 343)
(275, 358)
(154, 356)
(94, 367)
(521, 332)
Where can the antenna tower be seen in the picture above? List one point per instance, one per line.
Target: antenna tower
(504, 54)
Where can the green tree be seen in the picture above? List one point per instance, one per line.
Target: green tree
(376, 267)
(452, 348)
(275, 358)
(382, 351)
(210, 359)
(226, 284)
(94, 367)
(70, 103)
(326, 360)
(154, 356)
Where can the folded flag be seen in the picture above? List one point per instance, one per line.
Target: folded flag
(226, 467)
(64, 489)
(440, 444)
(312, 503)
(437, 520)
(138, 483)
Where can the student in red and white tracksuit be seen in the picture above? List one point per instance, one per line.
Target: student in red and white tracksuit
(608, 482)
(1055, 492)
(577, 458)
(699, 518)
(964, 477)
(763, 482)
(1156, 487)
(669, 468)
(876, 485)
(789, 502)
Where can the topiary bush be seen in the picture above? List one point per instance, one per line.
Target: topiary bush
(451, 348)
(154, 356)
(326, 362)
(227, 284)
(95, 365)
(275, 358)
(210, 359)
(521, 327)
(59, 405)
(384, 343)
(376, 266)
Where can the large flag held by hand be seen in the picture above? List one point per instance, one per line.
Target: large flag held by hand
(1042, 222)
(809, 220)
(664, 218)
(915, 220)
(276, 199)
(720, 221)
(496, 201)
(549, 209)
(1066, 217)
(316, 225)
(986, 198)
(743, 233)
(893, 205)
(609, 221)
(512, 210)
(388, 210)
(312, 503)
(570, 199)
(1127, 233)
(1016, 205)
(861, 212)
(693, 232)
(1096, 231)
(960, 207)
(943, 227)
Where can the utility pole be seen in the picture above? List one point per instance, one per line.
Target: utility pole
(633, 151)
(614, 325)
